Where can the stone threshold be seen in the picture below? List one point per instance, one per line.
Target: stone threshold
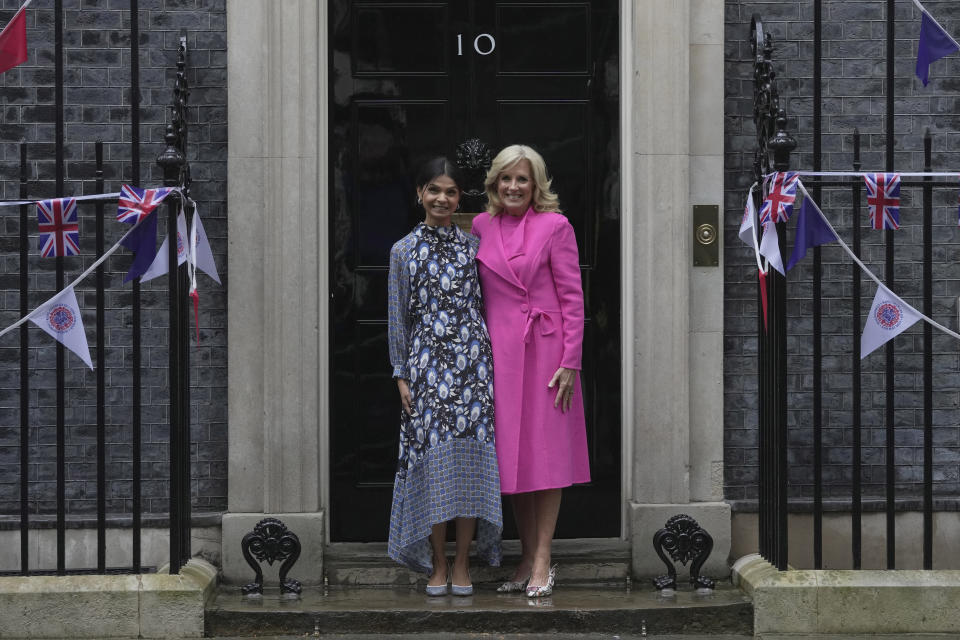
(856, 636)
(586, 561)
(155, 605)
(408, 610)
(839, 603)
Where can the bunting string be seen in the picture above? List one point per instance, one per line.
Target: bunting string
(761, 252)
(97, 263)
(866, 270)
(95, 196)
(861, 174)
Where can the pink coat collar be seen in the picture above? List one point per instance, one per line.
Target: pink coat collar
(493, 254)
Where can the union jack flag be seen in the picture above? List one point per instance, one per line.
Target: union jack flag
(59, 228)
(883, 199)
(135, 203)
(778, 204)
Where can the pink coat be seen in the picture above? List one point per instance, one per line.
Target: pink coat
(534, 312)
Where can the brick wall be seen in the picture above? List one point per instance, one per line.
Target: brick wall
(854, 82)
(97, 107)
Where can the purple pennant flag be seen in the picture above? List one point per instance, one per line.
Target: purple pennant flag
(935, 43)
(143, 242)
(812, 231)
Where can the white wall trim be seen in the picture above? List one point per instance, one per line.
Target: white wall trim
(626, 265)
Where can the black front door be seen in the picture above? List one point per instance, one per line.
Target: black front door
(410, 80)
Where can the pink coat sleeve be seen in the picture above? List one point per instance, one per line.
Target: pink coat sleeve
(565, 266)
(474, 230)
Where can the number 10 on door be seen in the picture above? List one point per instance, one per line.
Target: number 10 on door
(488, 41)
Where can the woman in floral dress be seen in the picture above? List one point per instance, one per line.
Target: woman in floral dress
(443, 365)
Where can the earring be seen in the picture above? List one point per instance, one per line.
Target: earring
(419, 201)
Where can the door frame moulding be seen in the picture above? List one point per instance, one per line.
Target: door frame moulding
(323, 267)
(626, 265)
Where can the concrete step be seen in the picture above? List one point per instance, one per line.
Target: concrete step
(589, 561)
(452, 635)
(572, 610)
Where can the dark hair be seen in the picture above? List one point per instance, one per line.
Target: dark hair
(439, 166)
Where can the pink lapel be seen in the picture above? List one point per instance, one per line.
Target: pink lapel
(494, 256)
(517, 267)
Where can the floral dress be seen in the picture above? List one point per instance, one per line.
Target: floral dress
(447, 465)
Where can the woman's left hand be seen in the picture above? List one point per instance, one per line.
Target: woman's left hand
(564, 379)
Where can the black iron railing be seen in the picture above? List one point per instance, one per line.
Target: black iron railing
(773, 140)
(176, 172)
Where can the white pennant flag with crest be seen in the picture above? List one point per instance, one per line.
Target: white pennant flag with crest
(770, 247)
(889, 317)
(748, 228)
(161, 263)
(747, 234)
(202, 254)
(60, 317)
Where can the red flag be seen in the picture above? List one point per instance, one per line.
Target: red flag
(13, 41)
(763, 296)
(196, 312)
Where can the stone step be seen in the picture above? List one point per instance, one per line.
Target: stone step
(342, 610)
(588, 561)
(536, 636)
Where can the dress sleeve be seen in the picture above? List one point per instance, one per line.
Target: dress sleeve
(398, 297)
(565, 266)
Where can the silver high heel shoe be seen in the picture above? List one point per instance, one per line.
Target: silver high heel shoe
(544, 590)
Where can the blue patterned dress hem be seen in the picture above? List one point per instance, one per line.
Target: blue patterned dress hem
(458, 478)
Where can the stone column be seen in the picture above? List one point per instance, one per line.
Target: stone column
(676, 352)
(277, 233)
(706, 283)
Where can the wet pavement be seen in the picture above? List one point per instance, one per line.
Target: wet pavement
(627, 635)
(572, 613)
(500, 636)
(604, 612)
(597, 636)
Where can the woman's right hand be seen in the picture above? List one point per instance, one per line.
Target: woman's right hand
(405, 398)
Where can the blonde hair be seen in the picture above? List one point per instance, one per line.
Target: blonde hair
(543, 198)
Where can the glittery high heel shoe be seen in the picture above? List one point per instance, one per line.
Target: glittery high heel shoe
(513, 587)
(544, 590)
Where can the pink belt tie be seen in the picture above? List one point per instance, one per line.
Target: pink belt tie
(541, 317)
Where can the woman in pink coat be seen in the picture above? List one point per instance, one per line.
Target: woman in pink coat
(529, 271)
